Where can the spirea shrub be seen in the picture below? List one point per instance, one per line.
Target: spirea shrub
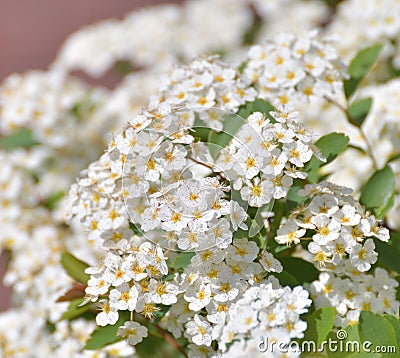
(240, 203)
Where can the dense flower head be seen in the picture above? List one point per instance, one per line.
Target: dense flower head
(336, 225)
(350, 291)
(185, 219)
(295, 68)
(380, 24)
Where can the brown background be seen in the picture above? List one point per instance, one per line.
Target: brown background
(31, 32)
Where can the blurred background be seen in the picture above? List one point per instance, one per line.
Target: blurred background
(31, 33)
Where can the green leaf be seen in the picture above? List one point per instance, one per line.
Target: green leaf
(364, 60)
(182, 260)
(258, 105)
(350, 349)
(301, 270)
(286, 279)
(359, 110)
(377, 330)
(74, 310)
(331, 145)
(359, 67)
(123, 67)
(395, 322)
(377, 192)
(388, 256)
(135, 229)
(292, 199)
(251, 33)
(75, 267)
(103, 336)
(23, 138)
(218, 140)
(319, 325)
(53, 199)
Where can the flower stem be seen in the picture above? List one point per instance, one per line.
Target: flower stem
(170, 339)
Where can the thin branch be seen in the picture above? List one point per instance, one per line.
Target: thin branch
(337, 104)
(164, 334)
(369, 150)
(209, 167)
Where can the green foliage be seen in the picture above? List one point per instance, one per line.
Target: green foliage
(51, 201)
(135, 229)
(352, 336)
(286, 279)
(330, 145)
(253, 30)
(394, 321)
(359, 67)
(378, 191)
(182, 260)
(388, 256)
(371, 331)
(218, 140)
(319, 325)
(123, 67)
(378, 330)
(258, 105)
(103, 336)
(74, 310)
(75, 267)
(23, 138)
(293, 200)
(301, 270)
(156, 346)
(359, 110)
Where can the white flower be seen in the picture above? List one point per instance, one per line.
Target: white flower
(289, 233)
(237, 215)
(164, 293)
(224, 287)
(109, 315)
(243, 250)
(258, 192)
(347, 215)
(269, 262)
(321, 254)
(198, 295)
(326, 228)
(199, 331)
(124, 297)
(324, 204)
(245, 319)
(133, 332)
(362, 257)
(97, 285)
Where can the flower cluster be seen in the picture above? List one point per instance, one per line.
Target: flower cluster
(300, 15)
(381, 18)
(336, 224)
(265, 312)
(212, 289)
(291, 69)
(206, 83)
(130, 279)
(349, 292)
(155, 179)
(150, 170)
(171, 206)
(50, 105)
